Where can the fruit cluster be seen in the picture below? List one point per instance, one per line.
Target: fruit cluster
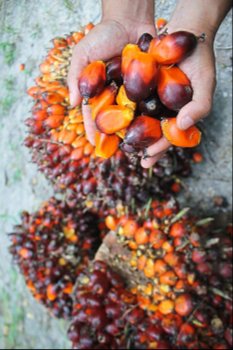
(186, 269)
(106, 315)
(59, 145)
(51, 247)
(136, 96)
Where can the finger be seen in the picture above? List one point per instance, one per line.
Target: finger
(200, 106)
(89, 124)
(149, 162)
(78, 62)
(160, 146)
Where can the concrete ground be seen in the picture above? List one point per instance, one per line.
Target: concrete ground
(26, 28)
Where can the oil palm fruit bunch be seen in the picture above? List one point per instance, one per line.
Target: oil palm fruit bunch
(106, 315)
(59, 145)
(51, 247)
(182, 269)
(135, 97)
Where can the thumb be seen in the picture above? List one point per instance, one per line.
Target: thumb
(78, 62)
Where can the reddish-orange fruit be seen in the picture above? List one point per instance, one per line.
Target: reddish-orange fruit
(166, 307)
(143, 132)
(22, 67)
(52, 97)
(140, 77)
(54, 121)
(180, 138)
(168, 278)
(178, 229)
(160, 23)
(103, 100)
(92, 79)
(51, 293)
(141, 263)
(111, 222)
(130, 228)
(160, 267)
(184, 305)
(113, 119)
(123, 100)
(88, 27)
(197, 157)
(128, 53)
(174, 47)
(174, 88)
(141, 236)
(144, 41)
(56, 109)
(106, 145)
(157, 238)
(113, 70)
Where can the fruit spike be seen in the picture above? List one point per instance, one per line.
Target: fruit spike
(51, 247)
(106, 315)
(60, 148)
(180, 269)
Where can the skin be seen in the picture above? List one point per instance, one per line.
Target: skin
(123, 23)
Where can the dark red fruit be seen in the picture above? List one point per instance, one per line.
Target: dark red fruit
(144, 42)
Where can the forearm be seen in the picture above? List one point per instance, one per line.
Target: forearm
(200, 16)
(142, 10)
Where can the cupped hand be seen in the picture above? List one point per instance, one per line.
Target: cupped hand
(200, 69)
(106, 40)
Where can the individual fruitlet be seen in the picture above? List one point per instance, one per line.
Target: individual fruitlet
(152, 107)
(160, 23)
(174, 47)
(143, 132)
(174, 88)
(140, 77)
(51, 247)
(123, 100)
(113, 119)
(106, 145)
(128, 54)
(180, 138)
(144, 41)
(113, 70)
(104, 99)
(92, 79)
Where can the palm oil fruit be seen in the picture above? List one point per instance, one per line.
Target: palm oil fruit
(123, 100)
(175, 47)
(180, 138)
(140, 77)
(151, 107)
(113, 70)
(92, 79)
(106, 145)
(113, 119)
(144, 42)
(128, 53)
(174, 88)
(103, 100)
(143, 132)
(160, 23)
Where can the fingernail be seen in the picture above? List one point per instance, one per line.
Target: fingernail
(186, 122)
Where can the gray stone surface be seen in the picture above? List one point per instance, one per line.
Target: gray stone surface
(26, 26)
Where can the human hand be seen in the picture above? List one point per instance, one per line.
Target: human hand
(103, 42)
(200, 69)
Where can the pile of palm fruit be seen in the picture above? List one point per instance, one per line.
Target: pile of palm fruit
(165, 282)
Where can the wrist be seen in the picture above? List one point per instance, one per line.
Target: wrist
(123, 11)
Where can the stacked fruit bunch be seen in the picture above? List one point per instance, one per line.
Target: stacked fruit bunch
(185, 271)
(60, 148)
(136, 96)
(106, 315)
(51, 247)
